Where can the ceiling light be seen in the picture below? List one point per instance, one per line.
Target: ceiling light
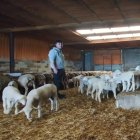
(124, 35)
(94, 38)
(84, 31)
(94, 31)
(109, 36)
(101, 30)
(110, 33)
(120, 29)
(136, 35)
(134, 28)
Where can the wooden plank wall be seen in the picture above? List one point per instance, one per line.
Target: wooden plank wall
(106, 57)
(71, 54)
(26, 48)
(4, 52)
(30, 48)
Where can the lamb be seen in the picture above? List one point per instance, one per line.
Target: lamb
(90, 83)
(76, 80)
(127, 79)
(40, 80)
(11, 97)
(84, 83)
(137, 78)
(137, 68)
(26, 81)
(40, 95)
(105, 77)
(13, 83)
(99, 85)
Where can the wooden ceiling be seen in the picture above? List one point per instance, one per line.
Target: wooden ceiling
(58, 19)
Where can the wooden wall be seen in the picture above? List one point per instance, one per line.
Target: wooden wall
(71, 54)
(26, 48)
(36, 50)
(4, 53)
(101, 57)
(30, 49)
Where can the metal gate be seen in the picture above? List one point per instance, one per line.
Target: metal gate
(88, 61)
(130, 58)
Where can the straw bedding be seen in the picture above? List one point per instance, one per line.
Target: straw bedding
(79, 118)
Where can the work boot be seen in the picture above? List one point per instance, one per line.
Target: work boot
(61, 96)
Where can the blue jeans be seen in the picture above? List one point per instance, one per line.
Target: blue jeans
(59, 78)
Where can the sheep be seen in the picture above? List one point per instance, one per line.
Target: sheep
(40, 95)
(90, 84)
(40, 80)
(26, 81)
(11, 97)
(13, 83)
(105, 77)
(99, 85)
(84, 83)
(76, 80)
(137, 77)
(137, 68)
(127, 79)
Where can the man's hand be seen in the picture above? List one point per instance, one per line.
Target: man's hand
(54, 67)
(55, 71)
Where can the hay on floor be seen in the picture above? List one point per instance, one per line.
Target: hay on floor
(79, 118)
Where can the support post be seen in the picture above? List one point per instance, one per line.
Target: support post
(11, 52)
(83, 59)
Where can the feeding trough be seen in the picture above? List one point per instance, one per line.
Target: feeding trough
(128, 100)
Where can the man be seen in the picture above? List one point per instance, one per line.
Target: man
(56, 59)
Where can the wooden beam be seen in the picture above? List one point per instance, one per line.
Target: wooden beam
(105, 41)
(32, 28)
(95, 24)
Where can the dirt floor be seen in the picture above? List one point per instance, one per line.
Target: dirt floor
(79, 118)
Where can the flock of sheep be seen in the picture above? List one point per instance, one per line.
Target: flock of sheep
(12, 96)
(97, 86)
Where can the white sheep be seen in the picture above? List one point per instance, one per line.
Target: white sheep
(11, 97)
(105, 77)
(76, 80)
(99, 85)
(13, 83)
(127, 80)
(137, 68)
(26, 81)
(41, 96)
(84, 83)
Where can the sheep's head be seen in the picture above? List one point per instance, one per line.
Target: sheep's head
(27, 110)
(23, 100)
(13, 83)
(31, 83)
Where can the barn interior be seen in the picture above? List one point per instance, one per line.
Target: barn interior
(27, 32)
